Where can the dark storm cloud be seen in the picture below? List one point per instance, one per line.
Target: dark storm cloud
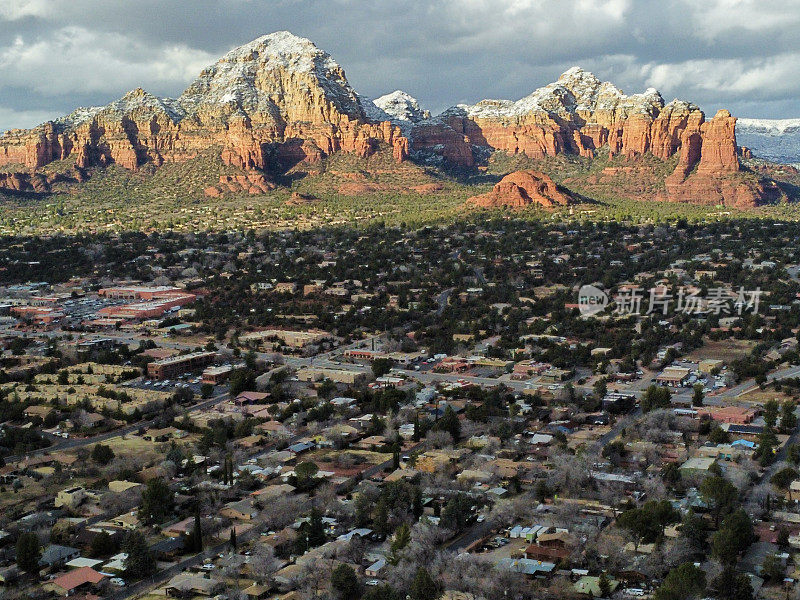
(741, 54)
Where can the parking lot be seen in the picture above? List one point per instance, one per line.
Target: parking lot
(190, 381)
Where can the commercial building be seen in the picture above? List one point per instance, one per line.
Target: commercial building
(336, 375)
(147, 310)
(177, 365)
(287, 337)
(673, 376)
(216, 375)
(135, 292)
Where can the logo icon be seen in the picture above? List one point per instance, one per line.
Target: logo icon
(591, 300)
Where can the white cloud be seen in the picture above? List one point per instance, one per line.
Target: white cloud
(713, 19)
(76, 60)
(13, 10)
(737, 52)
(755, 77)
(23, 119)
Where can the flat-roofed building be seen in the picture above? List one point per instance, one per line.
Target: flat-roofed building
(673, 376)
(336, 375)
(216, 375)
(70, 497)
(139, 292)
(185, 363)
(287, 337)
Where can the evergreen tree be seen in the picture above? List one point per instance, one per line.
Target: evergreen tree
(788, 418)
(450, 423)
(604, 584)
(316, 529)
(396, 457)
(698, 395)
(157, 500)
(344, 582)
(196, 537)
(380, 516)
(730, 584)
(685, 581)
(423, 587)
(28, 550)
(102, 454)
(102, 545)
(771, 408)
(140, 562)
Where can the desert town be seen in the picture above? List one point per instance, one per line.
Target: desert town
(384, 413)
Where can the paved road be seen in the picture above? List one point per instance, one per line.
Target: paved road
(442, 300)
(72, 443)
(750, 384)
(469, 537)
(188, 562)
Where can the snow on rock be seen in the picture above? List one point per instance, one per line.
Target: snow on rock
(777, 140)
(576, 93)
(373, 111)
(262, 75)
(768, 126)
(401, 106)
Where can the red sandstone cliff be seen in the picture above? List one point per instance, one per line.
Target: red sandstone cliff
(280, 101)
(277, 98)
(521, 189)
(579, 114)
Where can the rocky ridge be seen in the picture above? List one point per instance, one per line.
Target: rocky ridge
(771, 139)
(522, 189)
(280, 101)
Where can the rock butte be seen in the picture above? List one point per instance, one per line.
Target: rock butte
(279, 101)
(521, 189)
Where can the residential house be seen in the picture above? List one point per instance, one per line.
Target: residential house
(55, 556)
(82, 579)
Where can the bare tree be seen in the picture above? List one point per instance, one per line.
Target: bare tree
(569, 473)
(314, 577)
(438, 439)
(263, 563)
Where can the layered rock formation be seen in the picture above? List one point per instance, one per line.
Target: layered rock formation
(579, 114)
(36, 183)
(277, 100)
(522, 189)
(252, 182)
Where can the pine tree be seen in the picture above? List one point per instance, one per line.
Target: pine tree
(140, 562)
(604, 585)
(28, 549)
(396, 457)
(423, 587)
(197, 534)
(233, 541)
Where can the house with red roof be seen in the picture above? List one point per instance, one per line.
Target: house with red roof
(81, 579)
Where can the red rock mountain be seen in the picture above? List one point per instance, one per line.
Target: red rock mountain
(279, 101)
(277, 98)
(521, 189)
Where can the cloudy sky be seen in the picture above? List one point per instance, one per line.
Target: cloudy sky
(739, 54)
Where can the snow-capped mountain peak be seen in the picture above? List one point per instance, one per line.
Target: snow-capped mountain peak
(772, 139)
(402, 106)
(267, 72)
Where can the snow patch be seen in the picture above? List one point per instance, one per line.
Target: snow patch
(576, 93)
(777, 140)
(402, 106)
(768, 126)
